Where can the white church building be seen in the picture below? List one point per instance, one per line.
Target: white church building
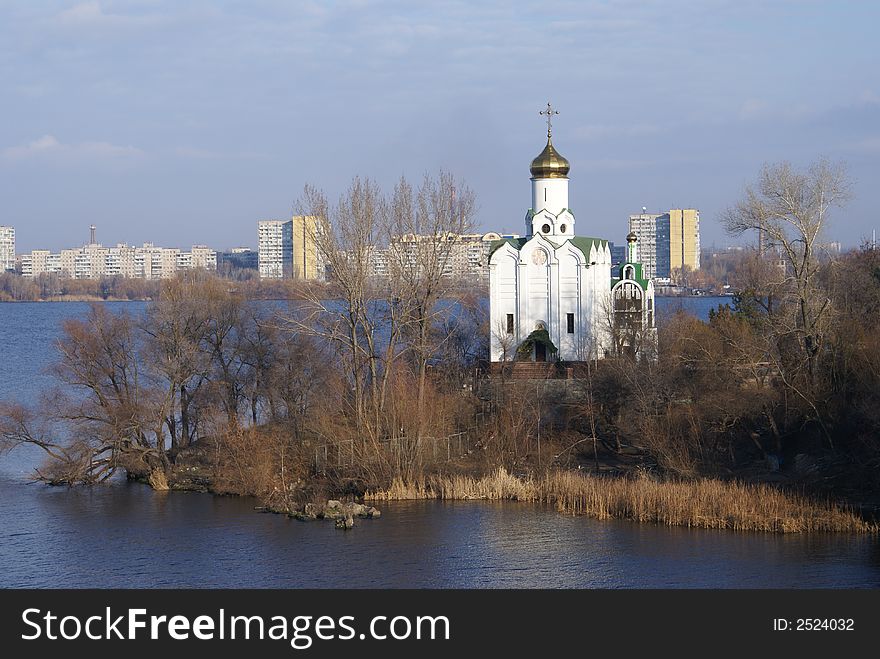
(551, 293)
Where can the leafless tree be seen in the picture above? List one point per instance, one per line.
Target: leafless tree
(107, 415)
(174, 325)
(426, 227)
(789, 210)
(347, 235)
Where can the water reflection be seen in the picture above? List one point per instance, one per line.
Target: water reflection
(129, 536)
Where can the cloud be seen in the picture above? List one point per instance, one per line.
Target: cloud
(48, 147)
(753, 108)
(93, 15)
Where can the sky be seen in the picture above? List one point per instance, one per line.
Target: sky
(185, 123)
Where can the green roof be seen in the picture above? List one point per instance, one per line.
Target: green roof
(517, 244)
(639, 277)
(532, 212)
(583, 243)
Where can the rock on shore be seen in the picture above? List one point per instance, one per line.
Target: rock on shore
(343, 514)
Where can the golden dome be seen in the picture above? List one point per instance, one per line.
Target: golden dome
(549, 163)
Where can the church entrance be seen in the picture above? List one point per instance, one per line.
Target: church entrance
(540, 352)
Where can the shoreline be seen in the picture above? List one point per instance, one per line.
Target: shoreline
(704, 503)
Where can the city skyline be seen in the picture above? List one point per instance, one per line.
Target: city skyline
(180, 122)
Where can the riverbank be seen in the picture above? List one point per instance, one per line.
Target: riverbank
(626, 493)
(77, 298)
(710, 504)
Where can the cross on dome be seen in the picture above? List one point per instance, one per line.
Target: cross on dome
(549, 112)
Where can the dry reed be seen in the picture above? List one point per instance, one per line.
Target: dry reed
(710, 504)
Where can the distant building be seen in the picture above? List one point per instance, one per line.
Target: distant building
(377, 258)
(618, 257)
(465, 255)
(94, 261)
(7, 248)
(307, 263)
(684, 238)
(35, 263)
(829, 250)
(667, 241)
(288, 248)
(203, 257)
(653, 239)
(275, 245)
(241, 258)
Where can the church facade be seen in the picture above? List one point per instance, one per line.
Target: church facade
(550, 293)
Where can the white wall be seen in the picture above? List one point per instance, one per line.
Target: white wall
(535, 289)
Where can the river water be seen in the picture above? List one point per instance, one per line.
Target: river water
(126, 535)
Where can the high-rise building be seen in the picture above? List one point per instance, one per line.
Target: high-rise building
(7, 248)
(306, 256)
(667, 241)
(684, 238)
(288, 248)
(618, 257)
(275, 246)
(644, 225)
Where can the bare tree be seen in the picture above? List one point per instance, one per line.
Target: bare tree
(506, 341)
(347, 236)
(426, 229)
(789, 210)
(174, 325)
(112, 417)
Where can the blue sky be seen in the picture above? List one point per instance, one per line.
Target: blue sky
(186, 122)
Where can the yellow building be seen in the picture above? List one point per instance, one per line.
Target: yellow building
(306, 259)
(684, 238)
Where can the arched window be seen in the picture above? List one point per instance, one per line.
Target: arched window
(628, 298)
(629, 272)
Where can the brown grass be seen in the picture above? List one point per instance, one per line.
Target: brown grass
(710, 504)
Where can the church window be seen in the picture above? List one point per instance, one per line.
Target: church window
(510, 323)
(569, 320)
(545, 194)
(545, 228)
(562, 229)
(628, 272)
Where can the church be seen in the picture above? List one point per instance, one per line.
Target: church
(552, 296)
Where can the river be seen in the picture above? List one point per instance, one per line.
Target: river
(126, 535)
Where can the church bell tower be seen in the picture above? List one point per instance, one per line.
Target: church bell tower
(550, 215)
